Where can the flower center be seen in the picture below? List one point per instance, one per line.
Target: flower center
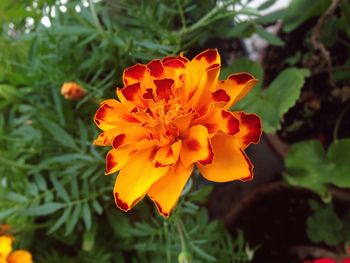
(165, 111)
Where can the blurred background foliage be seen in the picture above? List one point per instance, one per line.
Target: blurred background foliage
(52, 189)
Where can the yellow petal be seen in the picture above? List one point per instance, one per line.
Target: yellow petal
(5, 246)
(166, 191)
(136, 178)
(229, 163)
(196, 146)
(20, 256)
(113, 114)
(168, 155)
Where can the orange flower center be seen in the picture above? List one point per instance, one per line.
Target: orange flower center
(163, 112)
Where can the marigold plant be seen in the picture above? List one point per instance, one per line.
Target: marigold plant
(172, 115)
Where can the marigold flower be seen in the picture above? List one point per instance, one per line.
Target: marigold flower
(72, 91)
(173, 115)
(17, 256)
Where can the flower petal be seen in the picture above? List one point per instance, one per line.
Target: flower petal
(219, 120)
(249, 128)
(133, 93)
(20, 256)
(168, 155)
(130, 135)
(196, 146)
(164, 88)
(5, 246)
(166, 197)
(135, 179)
(112, 114)
(237, 86)
(106, 138)
(134, 74)
(229, 163)
(156, 68)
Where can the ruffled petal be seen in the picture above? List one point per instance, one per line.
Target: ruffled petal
(135, 179)
(130, 135)
(196, 146)
(249, 128)
(165, 197)
(164, 88)
(202, 73)
(112, 114)
(156, 68)
(134, 74)
(237, 86)
(219, 120)
(229, 163)
(106, 138)
(168, 155)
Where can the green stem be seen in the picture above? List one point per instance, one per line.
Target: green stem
(166, 232)
(180, 231)
(339, 120)
(204, 20)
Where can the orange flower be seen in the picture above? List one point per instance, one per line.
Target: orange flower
(173, 115)
(6, 254)
(72, 91)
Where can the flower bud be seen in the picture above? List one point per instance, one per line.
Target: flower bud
(185, 257)
(72, 91)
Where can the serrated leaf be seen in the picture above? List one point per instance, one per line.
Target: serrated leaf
(42, 210)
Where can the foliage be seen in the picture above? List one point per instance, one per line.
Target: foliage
(52, 189)
(274, 101)
(326, 226)
(320, 169)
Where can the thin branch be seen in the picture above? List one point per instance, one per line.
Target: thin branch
(316, 35)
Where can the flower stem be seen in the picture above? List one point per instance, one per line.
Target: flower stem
(181, 234)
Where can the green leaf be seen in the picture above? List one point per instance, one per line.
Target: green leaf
(325, 226)
(73, 220)
(7, 212)
(338, 154)
(61, 191)
(269, 37)
(63, 218)
(59, 134)
(86, 214)
(89, 238)
(300, 11)
(119, 223)
(273, 102)
(42, 210)
(266, 4)
(309, 166)
(200, 195)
